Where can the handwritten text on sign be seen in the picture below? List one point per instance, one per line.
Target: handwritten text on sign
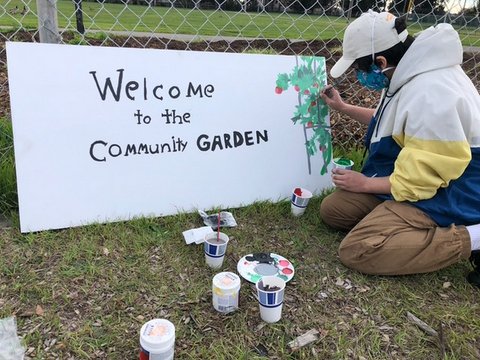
(99, 150)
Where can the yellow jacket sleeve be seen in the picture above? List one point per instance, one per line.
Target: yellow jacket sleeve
(423, 166)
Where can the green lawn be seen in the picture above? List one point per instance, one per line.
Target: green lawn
(85, 292)
(118, 17)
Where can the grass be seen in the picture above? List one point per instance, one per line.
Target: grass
(85, 292)
(8, 194)
(137, 18)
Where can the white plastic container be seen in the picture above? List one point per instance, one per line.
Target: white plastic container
(215, 250)
(300, 201)
(342, 163)
(157, 340)
(270, 301)
(225, 292)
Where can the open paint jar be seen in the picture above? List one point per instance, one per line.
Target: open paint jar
(343, 163)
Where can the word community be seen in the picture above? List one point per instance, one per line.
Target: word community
(101, 150)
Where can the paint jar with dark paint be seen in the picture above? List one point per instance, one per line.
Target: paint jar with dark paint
(157, 340)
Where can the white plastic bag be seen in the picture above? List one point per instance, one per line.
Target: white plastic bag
(10, 346)
(226, 219)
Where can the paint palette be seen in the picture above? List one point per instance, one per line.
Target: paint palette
(253, 267)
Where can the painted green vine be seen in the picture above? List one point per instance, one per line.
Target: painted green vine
(308, 79)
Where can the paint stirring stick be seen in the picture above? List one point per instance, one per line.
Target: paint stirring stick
(218, 228)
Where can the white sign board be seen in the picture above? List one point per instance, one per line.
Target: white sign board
(107, 134)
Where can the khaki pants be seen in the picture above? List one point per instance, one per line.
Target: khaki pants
(391, 238)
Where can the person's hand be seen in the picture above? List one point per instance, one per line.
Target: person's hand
(350, 180)
(332, 98)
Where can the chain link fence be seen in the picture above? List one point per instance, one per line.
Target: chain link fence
(306, 27)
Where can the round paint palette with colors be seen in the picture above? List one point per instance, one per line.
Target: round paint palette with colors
(253, 267)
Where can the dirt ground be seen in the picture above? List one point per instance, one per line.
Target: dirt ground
(344, 132)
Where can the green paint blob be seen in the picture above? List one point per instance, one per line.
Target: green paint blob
(343, 161)
(254, 277)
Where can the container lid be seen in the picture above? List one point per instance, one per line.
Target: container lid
(226, 280)
(157, 334)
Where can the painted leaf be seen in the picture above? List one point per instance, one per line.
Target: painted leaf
(282, 81)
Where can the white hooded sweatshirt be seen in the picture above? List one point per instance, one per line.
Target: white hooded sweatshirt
(428, 125)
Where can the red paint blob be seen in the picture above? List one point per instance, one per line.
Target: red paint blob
(284, 263)
(287, 271)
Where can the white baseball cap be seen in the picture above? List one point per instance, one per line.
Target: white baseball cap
(371, 33)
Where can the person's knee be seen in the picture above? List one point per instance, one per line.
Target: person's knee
(357, 263)
(357, 255)
(347, 257)
(367, 257)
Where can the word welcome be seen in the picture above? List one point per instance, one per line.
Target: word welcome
(133, 88)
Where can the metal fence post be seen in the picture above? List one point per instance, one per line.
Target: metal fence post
(47, 21)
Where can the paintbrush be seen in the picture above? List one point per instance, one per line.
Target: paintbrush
(335, 83)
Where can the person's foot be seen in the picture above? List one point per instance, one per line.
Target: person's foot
(474, 276)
